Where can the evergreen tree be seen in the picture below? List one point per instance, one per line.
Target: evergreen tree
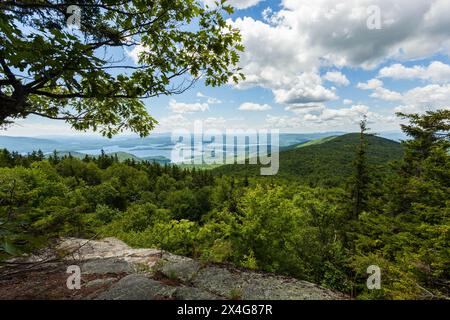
(360, 180)
(424, 173)
(54, 158)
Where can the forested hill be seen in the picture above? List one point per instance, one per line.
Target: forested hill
(324, 162)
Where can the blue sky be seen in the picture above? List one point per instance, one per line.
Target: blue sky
(316, 66)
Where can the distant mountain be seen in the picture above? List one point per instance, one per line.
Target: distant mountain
(157, 159)
(122, 156)
(74, 154)
(314, 142)
(25, 144)
(79, 143)
(156, 147)
(324, 161)
(307, 143)
(290, 139)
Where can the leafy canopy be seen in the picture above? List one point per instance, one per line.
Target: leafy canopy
(82, 76)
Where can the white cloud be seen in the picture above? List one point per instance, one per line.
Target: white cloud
(347, 101)
(288, 50)
(274, 59)
(408, 109)
(337, 78)
(436, 71)
(209, 100)
(354, 113)
(306, 108)
(429, 97)
(327, 118)
(303, 94)
(173, 122)
(305, 88)
(379, 92)
(181, 107)
(370, 85)
(408, 29)
(214, 123)
(305, 36)
(283, 122)
(386, 94)
(135, 52)
(180, 121)
(239, 4)
(250, 106)
(417, 108)
(212, 100)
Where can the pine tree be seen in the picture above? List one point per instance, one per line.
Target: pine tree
(54, 158)
(423, 175)
(360, 180)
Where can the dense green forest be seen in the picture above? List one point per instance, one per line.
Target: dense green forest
(362, 212)
(326, 161)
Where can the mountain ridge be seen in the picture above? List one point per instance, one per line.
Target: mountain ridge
(327, 162)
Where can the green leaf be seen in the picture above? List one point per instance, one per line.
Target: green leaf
(9, 248)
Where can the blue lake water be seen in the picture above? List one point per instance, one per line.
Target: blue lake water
(167, 152)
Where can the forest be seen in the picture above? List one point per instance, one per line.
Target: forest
(395, 216)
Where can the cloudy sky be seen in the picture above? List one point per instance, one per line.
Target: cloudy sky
(318, 66)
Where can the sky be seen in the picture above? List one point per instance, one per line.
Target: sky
(315, 66)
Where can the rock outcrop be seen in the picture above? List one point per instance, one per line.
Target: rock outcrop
(111, 270)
